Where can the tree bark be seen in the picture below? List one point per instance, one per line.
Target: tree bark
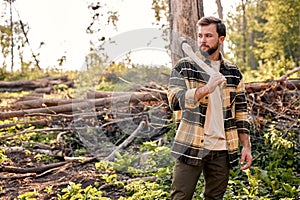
(220, 8)
(244, 31)
(183, 18)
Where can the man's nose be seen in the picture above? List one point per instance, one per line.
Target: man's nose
(203, 39)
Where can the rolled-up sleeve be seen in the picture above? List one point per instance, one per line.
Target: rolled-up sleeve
(180, 95)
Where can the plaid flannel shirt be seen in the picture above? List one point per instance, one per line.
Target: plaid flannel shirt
(186, 76)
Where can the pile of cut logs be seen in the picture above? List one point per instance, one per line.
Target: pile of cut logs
(111, 116)
(43, 85)
(277, 100)
(118, 114)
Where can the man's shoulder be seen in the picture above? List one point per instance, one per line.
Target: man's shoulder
(185, 62)
(232, 68)
(230, 64)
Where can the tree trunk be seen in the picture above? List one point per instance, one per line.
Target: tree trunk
(220, 14)
(183, 18)
(220, 9)
(244, 29)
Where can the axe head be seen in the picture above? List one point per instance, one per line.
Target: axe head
(181, 41)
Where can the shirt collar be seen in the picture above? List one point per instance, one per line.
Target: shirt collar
(208, 61)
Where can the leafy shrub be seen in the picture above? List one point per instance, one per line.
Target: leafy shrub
(74, 191)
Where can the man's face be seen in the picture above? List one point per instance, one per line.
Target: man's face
(209, 41)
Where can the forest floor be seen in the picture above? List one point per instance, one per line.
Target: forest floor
(49, 184)
(25, 174)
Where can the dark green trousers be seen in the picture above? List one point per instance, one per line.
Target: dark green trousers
(215, 168)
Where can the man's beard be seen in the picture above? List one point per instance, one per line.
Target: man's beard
(210, 50)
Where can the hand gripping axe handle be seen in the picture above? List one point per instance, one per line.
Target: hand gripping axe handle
(189, 51)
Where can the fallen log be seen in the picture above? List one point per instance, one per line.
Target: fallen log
(49, 152)
(127, 141)
(265, 107)
(27, 85)
(23, 83)
(104, 94)
(31, 97)
(86, 105)
(135, 96)
(46, 90)
(37, 170)
(290, 84)
(43, 102)
(284, 98)
(17, 176)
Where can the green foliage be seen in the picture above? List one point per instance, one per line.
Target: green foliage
(104, 165)
(59, 88)
(123, 77)
(49, 189)
(270, 70)
(3, 73)
(149, 160)
(28, 196)
(25, 73)
(29, 73)
(101, 76)
(124, 162)
(158, 157)
(263, 38)
(161, 8)
(274, 171)
(11, 33)
(273, 175)
(281, 166)
(75, 191)
(105, 86)
(112, 180)
(281, 30)
(145, 190)
(31, 136)
(109, 177)
(6, 98)
(3, 157)
(152, 160)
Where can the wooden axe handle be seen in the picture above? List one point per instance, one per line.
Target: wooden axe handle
(189, 51)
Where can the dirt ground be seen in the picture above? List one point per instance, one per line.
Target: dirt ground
(14, 184)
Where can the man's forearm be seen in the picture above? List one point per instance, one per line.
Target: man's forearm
(201, 92)
(245, 140)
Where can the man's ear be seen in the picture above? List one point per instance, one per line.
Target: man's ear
(221, 39)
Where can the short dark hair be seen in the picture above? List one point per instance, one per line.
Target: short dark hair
(221, 28)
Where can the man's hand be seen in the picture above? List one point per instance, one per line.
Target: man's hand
(246, 156)
(215, 80)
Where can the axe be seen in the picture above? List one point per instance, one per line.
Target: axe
(189, 51)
